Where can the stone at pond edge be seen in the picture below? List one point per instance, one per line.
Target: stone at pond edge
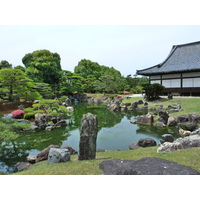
(57, 155)
(31, 159)
(43, 155)
(166, 138)
(22, 166)
(146, 142)
(180, 143)
(133, 146)
(145, 166)
(145, 119)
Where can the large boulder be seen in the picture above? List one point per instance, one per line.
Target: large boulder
(145, 166)
(22, 166)
(57, 155)
(171, 121)
(146, 142)
(189, 126)
(88, 137)
(195, 118)
(166, 138)
(145, 119)
(184, 133)
(180, 143)
(41, 120)
(163, 116)
(43, 155)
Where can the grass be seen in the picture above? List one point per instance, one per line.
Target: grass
(189, 105)
(188, 157)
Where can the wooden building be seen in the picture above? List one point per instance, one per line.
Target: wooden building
(179, 72)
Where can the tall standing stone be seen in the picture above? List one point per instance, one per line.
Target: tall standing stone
(88, 137)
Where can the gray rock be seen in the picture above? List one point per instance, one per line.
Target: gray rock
(184, 133)
(163, 116)
(9, 116)
(189, 126)
(57, 155)
(168, 147)
(145, 119)
(133, 146)
(146, 142)
(145, 166)
(195, 118)
(171, 121)
(115, 106)
(180, 143)
(140, 101)
(134, 105)
(160, 124)
(43, 155)
(22, 166)
(31, 159)
(182, 118)
(88, 137)
(167, 138)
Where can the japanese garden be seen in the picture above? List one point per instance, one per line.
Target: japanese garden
(54, 121)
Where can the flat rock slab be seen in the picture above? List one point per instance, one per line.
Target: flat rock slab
(145, 166)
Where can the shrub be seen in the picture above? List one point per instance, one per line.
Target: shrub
(152, 91)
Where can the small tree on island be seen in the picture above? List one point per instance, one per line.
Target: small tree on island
(152, 91)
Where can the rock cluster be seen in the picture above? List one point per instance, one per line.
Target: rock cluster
(180, 143)
(57, 155)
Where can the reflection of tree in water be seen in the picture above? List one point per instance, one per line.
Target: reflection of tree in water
(156, 131)
(16, 151)
(106, 118)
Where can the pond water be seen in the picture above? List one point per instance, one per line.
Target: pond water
(115, 132)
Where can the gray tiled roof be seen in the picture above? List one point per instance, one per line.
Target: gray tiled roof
(185, 57)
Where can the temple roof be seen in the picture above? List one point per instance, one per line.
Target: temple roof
(182, 58)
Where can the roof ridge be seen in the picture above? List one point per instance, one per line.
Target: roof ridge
(186, 44)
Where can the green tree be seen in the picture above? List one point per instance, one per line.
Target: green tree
(43, 66)
(5, 64)
(71, 83)
(44, 90)
(20, 67)
(17, 84)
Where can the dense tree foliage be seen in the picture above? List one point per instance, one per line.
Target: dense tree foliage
(43, 77)
(43, 66)
(100, 78)
(5, 64)
(17, 85)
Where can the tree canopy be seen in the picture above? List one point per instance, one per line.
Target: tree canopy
(5, 64)
(43, 66)
(17, 85)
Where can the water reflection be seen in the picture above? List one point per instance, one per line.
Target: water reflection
(115, 132)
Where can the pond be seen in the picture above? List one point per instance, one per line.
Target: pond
(115, 132)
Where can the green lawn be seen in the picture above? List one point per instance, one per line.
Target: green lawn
(189, 105)
(188, 157)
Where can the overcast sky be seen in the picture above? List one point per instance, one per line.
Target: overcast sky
(126, 48)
